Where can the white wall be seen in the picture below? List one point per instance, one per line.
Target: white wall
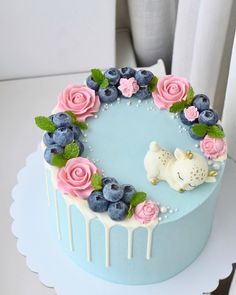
(52, 37)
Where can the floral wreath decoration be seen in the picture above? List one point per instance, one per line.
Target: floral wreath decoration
(79, 177)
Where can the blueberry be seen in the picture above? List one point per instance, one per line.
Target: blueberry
(129, 191)
(184, 120)
(63, 136)
(143, 93)
(208, 117)
(113, 192)
(76, 131)
(81, 147)
(106, 180)
(143, 77)
(48, 139)
(201, 102)
(91, 83)
(193, 135)
(97, 203)
(118, 211)
(108, 94)
(127, 72)
(113, 75)
(61, 119)
(51, 151)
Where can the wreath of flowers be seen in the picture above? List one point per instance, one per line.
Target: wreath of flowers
(79, 177)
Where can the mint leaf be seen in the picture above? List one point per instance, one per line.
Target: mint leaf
(71, 151)
(200, 129)
(97, 76)
(96, 181)
(73, 116)
(58, 160)
(81, 125)
(104, 83)
(137, 198)
(190, 96)
(215, 132)
(178, 106)
(45, 123)
(153, 83)
(130, 211)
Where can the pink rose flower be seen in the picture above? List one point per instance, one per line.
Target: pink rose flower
(81, 100)
(75, 178)
(146, 211)
(170, 89)
(128, 86)
(191, 113)
(213, 148)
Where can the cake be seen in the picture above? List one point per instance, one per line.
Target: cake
(133, 167)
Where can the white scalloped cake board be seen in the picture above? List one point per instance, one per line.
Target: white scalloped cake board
(55, 269)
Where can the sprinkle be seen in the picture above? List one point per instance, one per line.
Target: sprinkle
(163, 209)
(96, 116)
(165, 216)
(197, 145)
(85, 135)
(184, 129)
(171, 211)
(180, 127)
(159, 218)
(139, 101)
(216, 166)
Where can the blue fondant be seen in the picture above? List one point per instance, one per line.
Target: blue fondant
(119, 139)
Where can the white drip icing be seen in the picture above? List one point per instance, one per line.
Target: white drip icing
(107, 245)
(88, 241)
(57, 215)
(70, 229)
(149, 243)
(130, 243)
(82, 206)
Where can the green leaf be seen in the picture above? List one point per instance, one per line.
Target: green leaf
(215, 132)
(153, 83)
(130, 211)
(200, 129)
(178, 106)
(71, 151)
(104, 83)
(81, 125)
(58, 160)
(45, 123)
(190, 96)
(97, 76)
(137, 198)
(96, 181)
(73, 116)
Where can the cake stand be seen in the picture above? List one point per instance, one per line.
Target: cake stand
(43, 254)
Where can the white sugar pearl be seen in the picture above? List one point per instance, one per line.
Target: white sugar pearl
(163, 209)
(170, 211)
(197, 145)
(96, 116)
(159, 218)
(139, 101)
(216, 166)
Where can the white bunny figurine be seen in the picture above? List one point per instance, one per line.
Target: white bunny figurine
(182, 170)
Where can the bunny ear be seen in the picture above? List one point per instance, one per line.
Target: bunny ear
(179, 154)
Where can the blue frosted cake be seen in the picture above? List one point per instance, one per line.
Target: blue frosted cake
(133, 167)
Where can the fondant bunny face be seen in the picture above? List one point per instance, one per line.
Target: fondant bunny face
(189, 170)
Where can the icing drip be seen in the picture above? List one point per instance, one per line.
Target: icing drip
(88, 242)
(70, 229)
(149, 243)
(130, 243)
(107, 245)
(57, 215)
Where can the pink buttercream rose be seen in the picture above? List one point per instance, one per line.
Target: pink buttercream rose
(146, 211)
(75, 178)
(81, 100)
(191, 113)
(128, 86)
(170, 89)
(213, 148)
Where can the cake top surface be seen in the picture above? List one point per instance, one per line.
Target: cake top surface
(149, 139)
